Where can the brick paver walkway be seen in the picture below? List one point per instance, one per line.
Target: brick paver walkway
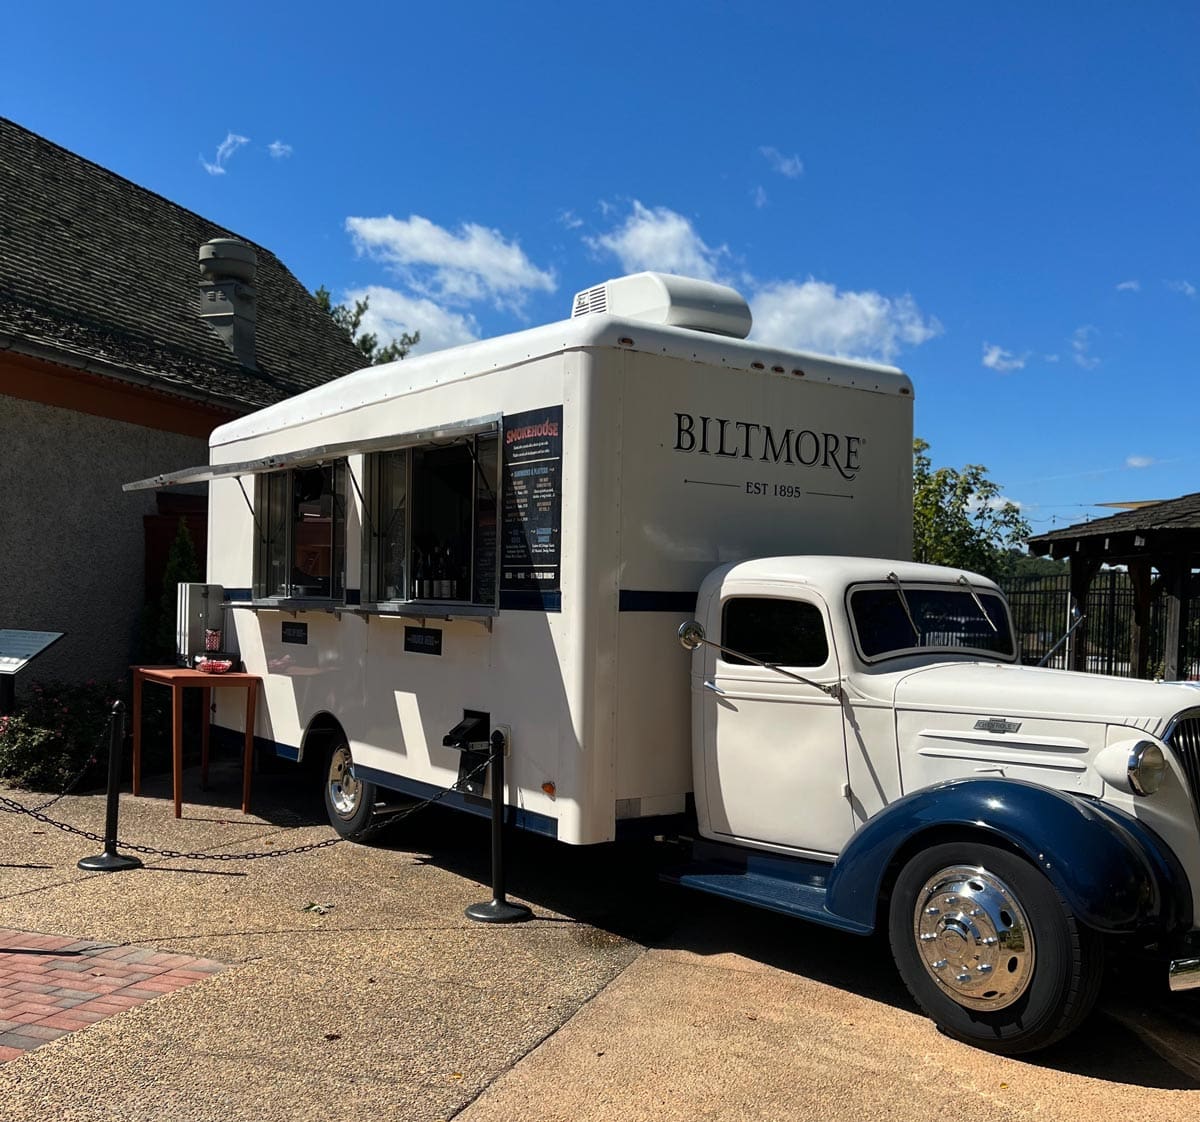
(51, 985)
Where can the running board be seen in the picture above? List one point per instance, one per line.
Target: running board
(790, 885)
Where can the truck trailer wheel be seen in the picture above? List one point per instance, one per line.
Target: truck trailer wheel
(990, 950)
(349, 801)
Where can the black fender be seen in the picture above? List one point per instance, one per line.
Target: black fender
(1116, 874)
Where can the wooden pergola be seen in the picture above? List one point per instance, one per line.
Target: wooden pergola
(1162, 538)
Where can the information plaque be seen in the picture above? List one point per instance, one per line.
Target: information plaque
(17, 650)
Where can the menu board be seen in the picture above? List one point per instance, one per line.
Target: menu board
(531, 503)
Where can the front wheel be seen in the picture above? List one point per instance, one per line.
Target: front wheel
(349, 801)
(989, 949)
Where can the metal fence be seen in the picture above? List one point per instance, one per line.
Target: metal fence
(1041, 608)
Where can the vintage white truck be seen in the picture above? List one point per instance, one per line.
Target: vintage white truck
(518, 534)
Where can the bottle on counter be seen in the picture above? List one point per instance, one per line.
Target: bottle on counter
(420, 575)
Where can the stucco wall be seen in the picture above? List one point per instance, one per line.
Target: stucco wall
(71, 552)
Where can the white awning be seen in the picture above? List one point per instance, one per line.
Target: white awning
(320, 454)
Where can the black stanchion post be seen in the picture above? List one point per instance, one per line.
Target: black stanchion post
(498, 909)
(110, 861)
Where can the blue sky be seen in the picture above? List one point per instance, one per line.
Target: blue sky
(1001, 200)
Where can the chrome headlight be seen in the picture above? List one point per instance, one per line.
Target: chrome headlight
(1136, 766)
(1146, 768)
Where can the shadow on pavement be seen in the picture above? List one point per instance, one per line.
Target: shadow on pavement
(613, 892)
(616, 889)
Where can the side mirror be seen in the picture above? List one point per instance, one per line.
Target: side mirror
(691, 635)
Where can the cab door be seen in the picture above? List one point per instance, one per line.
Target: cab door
(774, 748)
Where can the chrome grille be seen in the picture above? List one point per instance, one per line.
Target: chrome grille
(1184, 740)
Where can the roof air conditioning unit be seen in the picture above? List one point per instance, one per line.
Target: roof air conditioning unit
(675, 301)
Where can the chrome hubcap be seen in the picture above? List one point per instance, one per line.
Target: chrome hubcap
(973, 937)
(345, 792)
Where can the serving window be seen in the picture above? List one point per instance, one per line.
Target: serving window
(431, 522)
(301, 516)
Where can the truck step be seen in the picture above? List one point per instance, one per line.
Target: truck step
(795, 888)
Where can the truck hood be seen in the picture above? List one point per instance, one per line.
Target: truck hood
(1003, 690)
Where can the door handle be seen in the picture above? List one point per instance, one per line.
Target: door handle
(713, 686)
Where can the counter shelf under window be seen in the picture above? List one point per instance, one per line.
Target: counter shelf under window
(430, 530)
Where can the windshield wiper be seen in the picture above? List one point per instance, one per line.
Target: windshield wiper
(962, 579)
(904, 603)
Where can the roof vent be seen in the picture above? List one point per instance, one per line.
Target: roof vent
(663, 298)
(591, 301)
(227, 294)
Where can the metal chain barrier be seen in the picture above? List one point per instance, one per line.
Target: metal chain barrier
(36, 813)
(93, 758)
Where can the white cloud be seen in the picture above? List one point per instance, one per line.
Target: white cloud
(661, 240)
(998, 359)
(1051, 358)
(279, 150)
(1185, 288)
(810, 315)
(1139, 461)
(225, 151)
(469, 265)
(1130, 286)
(792, 167)
(814, 315)
(996, 502)
(570, 219)
(391, 313)
(759, 194)
(1081, 347)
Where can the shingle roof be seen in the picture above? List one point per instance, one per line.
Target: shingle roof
(1182, 513)
(1165, 530)
(94, 267)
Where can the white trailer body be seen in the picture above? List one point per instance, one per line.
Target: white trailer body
(678, 451)
(513, 535)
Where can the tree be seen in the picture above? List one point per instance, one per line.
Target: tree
(1023, 566)
(960, 519)
(158, 620)
(350, 321)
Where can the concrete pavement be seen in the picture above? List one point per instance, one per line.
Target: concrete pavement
(622, 999)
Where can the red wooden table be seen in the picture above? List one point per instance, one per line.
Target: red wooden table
(179, 678)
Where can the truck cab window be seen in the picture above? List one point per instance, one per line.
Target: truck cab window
(784, 632)
(433, 521)
(946, 618)
(302, 527)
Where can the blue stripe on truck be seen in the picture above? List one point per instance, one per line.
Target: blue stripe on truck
(531, 601)
(649, 600)
(631, 600)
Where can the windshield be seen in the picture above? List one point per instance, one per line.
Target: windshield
(894, 620)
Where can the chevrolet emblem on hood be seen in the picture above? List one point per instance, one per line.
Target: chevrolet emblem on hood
(997, 724)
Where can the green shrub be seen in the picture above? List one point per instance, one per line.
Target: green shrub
(156, 641)
(57, 732)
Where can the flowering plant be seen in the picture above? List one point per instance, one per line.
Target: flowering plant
(57, 730)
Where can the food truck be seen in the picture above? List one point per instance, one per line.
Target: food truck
(528, 533)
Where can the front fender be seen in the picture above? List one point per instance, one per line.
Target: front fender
(1113, 871)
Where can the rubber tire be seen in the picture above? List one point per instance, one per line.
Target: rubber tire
(1067, 970)
(347, 825)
